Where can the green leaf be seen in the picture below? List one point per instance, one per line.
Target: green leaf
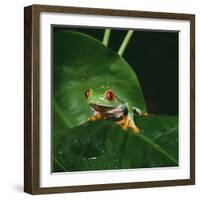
(103, 145)
(81, 62)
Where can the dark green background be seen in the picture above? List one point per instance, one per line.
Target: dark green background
(154, 57)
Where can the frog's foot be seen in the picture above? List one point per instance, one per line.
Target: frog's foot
(94, 117)
(121, 122)
(126, 123)
(146, 114)
(135, 129)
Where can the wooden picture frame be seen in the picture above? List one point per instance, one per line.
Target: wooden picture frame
(32, 92)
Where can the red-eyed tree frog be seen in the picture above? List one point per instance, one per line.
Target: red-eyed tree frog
(105, 104)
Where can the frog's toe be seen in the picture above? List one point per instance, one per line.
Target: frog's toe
(124, 127)
(95, 117)
(121, 122)
(92, 118)
(136, 129)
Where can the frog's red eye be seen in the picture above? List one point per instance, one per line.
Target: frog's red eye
(87, 93)
(110, 95)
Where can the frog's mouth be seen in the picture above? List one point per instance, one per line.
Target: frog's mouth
(100, 108)
(109, 112)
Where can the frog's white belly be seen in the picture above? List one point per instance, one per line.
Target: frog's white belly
(116, 113)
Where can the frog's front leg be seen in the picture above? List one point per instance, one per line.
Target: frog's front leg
(128, 122)
(95, 115)
(133, 126)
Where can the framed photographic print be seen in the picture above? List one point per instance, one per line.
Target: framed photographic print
(109, 99)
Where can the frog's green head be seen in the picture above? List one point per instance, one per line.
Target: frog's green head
(102, 97)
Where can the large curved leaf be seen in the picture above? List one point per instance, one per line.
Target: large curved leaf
(103, 145)
(81, 62)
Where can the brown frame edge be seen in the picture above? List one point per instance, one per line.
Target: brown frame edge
(31, 98)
